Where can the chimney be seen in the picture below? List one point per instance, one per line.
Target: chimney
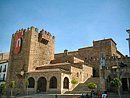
(65, 52)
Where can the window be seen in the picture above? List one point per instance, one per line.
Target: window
(66, 83)
(3, 77)
(0, 78)
(77, 74)
(18, 43)
(0, 68)
(53, 82)
(31, 82)
(4, 70)
(44, 41)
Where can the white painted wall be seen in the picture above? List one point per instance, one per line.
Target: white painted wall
(3, 65)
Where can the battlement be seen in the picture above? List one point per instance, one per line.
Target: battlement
(44, 35)
(27, 30)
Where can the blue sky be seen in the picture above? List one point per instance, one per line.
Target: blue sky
(75, 23)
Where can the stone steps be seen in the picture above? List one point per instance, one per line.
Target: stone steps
(82, 87)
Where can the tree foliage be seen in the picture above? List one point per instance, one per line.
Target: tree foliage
(3, 87)
(74, 81)
(116, 82)
(91, 85)
(12, 84)
(26, 82)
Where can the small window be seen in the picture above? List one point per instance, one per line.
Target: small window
(0, 68)
(80, 72)
(18, 43)
(4, 70)
(77, 74)
(3, 77)
(0, 78)
(44, 41)
(66, 83)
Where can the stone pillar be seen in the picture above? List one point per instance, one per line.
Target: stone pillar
(47, 85)
(128, 84)
(62, 79)
(35, 87)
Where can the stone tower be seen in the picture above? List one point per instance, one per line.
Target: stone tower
(29, 49)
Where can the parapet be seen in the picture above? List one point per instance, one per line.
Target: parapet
(44, 35)
(104, 42)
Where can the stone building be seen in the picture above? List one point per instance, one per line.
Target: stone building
(32, 57)
(3, 66)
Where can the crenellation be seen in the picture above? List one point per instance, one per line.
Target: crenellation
(36, 29)
(53, 37)
(22, 29)
(46, 35)
(32, 28)
(28, 28)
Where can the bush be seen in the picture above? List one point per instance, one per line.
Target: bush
(3, 87)
(116, 82)
(74, 81)
(91, 85)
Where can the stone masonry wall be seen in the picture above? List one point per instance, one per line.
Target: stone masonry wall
(27, 52)
(92, 55)
(40, 53)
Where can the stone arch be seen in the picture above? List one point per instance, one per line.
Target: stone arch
(53, 82)
(31, 82)
(66, 83)
(41, 84)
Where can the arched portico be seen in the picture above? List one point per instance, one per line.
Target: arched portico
(31, 82)
(53, 82)
(41, 84)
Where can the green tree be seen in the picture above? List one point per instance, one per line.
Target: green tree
(12, 85)
(3, 87)
(74, 81)
(91, 85)
(116, 82)
(26, 84)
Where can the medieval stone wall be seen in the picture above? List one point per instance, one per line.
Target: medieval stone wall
(27, 52)
(91, 55)
(40, 53)
(87, 73)
(19, 61)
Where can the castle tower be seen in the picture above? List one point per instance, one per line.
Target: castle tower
(29, 49)
(128, 31)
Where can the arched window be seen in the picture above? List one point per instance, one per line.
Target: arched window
(66, 83)
(41, 84)
(53, 82)
(31, 82)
